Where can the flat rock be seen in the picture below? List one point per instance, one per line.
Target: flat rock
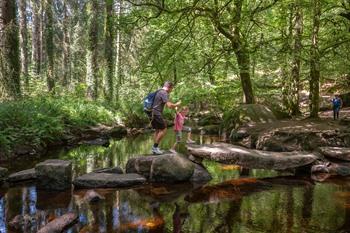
(115, 170)
(200, 174)
(342, 153)
(28, 174)
(249, 158)
(108, 180)
(54, 174)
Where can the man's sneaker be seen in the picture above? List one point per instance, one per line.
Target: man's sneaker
(190, 141)
(156, 151)
(173, 151)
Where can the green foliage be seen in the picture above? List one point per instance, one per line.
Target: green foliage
(44, 119)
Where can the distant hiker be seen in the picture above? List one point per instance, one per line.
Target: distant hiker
(179, 127)
(337, 104)
(161, 98)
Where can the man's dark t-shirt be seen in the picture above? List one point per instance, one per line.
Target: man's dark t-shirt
(159, 101)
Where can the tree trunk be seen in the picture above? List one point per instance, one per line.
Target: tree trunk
(66, 48)
(50, 46)
(36, 37)
(92, 79)
(118, 72)
(297, 36)
(109, 49)
(315, 62)
(9, 51)
(23, 41)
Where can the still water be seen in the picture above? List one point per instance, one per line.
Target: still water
(236, 200)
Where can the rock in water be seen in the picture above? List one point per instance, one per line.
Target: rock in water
(54, 174)
(248, 158)
(115, 170)
(167, 168)
(28, 174)
(60, 224)
(108, 180)
(342, 153)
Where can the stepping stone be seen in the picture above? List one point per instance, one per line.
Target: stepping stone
(29, 174)
(54, 174)
(342, 153)
(60, 224)
(108, 180)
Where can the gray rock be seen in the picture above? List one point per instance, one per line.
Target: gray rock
(22, 175)
(167, 168)
(248, 158)
(54, 174)
(108, 180)
(3, 173)
(342, 153)
(200, 174)
(114, 170)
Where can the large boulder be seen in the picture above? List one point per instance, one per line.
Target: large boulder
(167, 168)
(108, 180)
(113, 170)
(200, 174)
(54, 174)
(25, 175)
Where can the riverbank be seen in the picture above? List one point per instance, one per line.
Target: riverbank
(32, 125)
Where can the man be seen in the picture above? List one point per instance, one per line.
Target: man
(157, 120)
(337, 104)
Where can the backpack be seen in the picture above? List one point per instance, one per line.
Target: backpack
(148, 102)
(336, 103)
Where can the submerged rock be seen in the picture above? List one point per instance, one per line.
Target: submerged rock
(60, 224)
(20, 221)
(330, 168)
(54, 174)
(108, 180)
(25, 175)
(167, 168)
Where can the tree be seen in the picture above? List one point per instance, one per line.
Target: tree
(315, 61)
(109, 49)
(66, 60)
(23, 40)
(92, 51)
(36, 37)
(50, 46)
(9, 51)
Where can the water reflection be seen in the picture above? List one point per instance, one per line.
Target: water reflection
(236, 200)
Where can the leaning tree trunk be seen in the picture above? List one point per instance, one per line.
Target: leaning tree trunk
(36, 37)
(297, 36)
(92, 78)
(9, 51)
(109, 50)
(315, 62)
(23, 41)
(49, 46)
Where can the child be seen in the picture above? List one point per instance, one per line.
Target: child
(179, 127)
(337, 104)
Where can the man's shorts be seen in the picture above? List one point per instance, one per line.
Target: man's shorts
(157, 122)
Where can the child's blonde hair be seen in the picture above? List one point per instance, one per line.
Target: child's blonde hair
(184, 108)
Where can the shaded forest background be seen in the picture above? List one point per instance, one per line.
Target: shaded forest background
(92, 60)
